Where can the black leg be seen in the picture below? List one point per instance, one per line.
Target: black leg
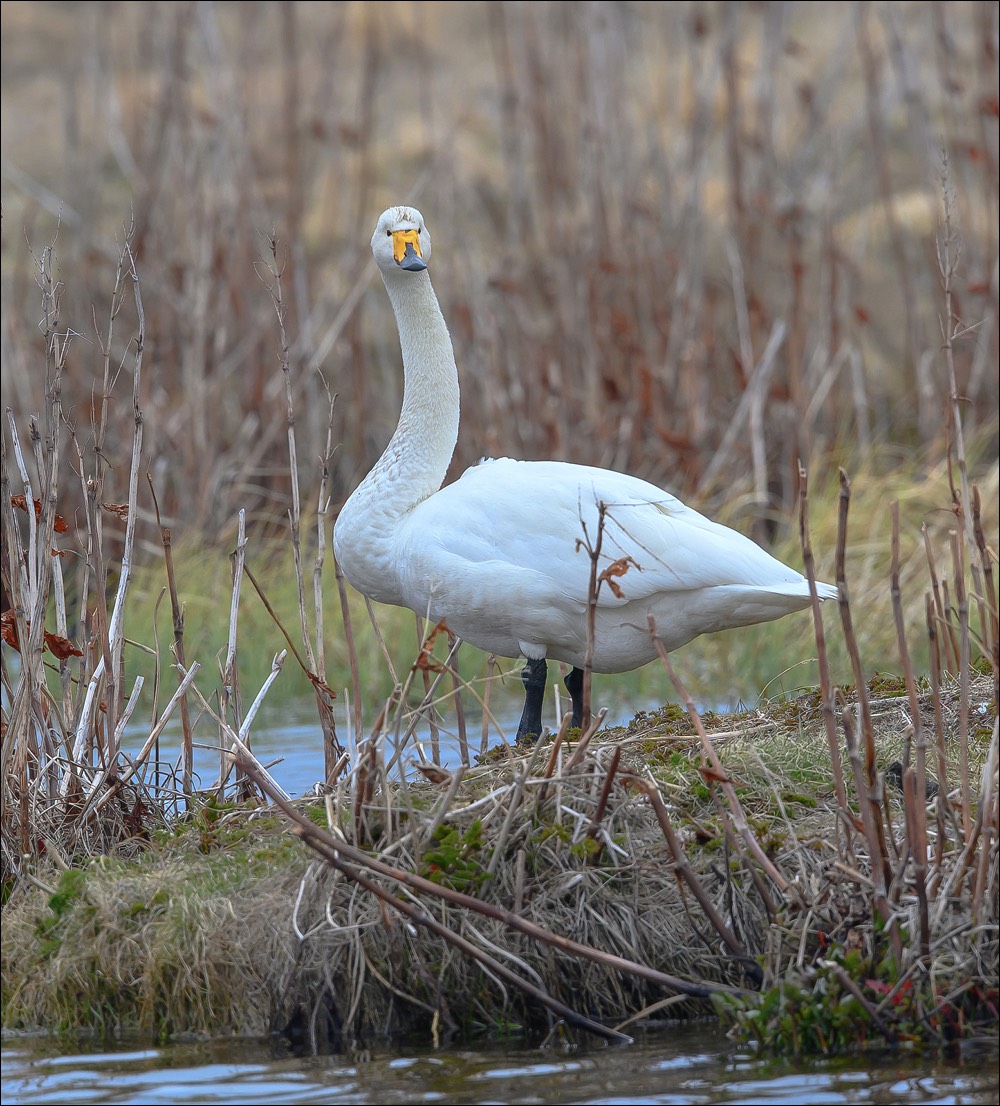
(533, 676)
(574, 685)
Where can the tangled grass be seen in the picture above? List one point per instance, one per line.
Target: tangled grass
(222, 924)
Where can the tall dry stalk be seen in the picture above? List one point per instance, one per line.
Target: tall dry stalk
(314, 649)
(49, 752)
(646, 342)
(71, 780)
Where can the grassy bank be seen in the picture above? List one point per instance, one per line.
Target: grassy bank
(821, 871)
(225, 923)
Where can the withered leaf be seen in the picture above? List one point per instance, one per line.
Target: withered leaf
(434, 773)
(617, 568)
(710, 775)
(8, 630)
(440, 628)
(321, 684)
(61, 647)
(427, 662)
(19, 501)
(119, 509)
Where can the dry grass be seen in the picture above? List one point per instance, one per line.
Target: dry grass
(694, 244)
(225, 926)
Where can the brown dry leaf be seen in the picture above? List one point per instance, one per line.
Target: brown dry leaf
(61, 647)
(426, 662)
(616, 568)
(19, 501)
(440, 628)
(8, 630)
(320, 683)
(709, 775)
(433, 773)
(119, 509)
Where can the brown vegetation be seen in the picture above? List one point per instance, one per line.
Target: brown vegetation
(708, 245)
(694, 243)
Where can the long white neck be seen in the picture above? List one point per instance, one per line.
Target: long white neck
(416, 459)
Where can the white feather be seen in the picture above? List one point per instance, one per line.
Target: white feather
(497, 554)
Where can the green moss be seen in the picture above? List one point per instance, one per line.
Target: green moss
(455, 858)
(69, 890)
(799, 799)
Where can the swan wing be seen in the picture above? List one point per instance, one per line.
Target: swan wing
(541, 516)
(502, 556)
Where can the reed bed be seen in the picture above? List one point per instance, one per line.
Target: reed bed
(598, 881)
(821, 872)
(693, 243)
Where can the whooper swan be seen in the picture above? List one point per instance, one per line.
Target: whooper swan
(497, 554)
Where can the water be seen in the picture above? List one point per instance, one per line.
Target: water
(688, 1064)
(288, 733)
(287, 740)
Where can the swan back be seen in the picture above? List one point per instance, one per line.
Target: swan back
(502, 556)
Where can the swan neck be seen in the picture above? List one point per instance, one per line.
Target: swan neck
(421, 448)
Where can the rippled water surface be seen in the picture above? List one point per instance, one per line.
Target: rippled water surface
(692, 1064)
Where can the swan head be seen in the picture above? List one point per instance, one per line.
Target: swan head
(401, 243)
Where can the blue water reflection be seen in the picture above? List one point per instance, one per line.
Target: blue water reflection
(687, 1064)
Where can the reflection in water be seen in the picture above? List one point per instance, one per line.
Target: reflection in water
(687, 1064)
(289, 742)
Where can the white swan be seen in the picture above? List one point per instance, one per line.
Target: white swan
(497, 554)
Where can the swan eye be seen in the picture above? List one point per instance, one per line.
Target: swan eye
(388, 234)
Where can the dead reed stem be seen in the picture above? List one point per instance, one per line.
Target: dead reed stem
(352, 655)
(230, 693)
(914, 783)
(177, 619)
(864, 771)
(826, 684)
(593, 593)
(962, 610)
(686, 872)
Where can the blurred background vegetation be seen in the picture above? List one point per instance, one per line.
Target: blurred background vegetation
(698, 242)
